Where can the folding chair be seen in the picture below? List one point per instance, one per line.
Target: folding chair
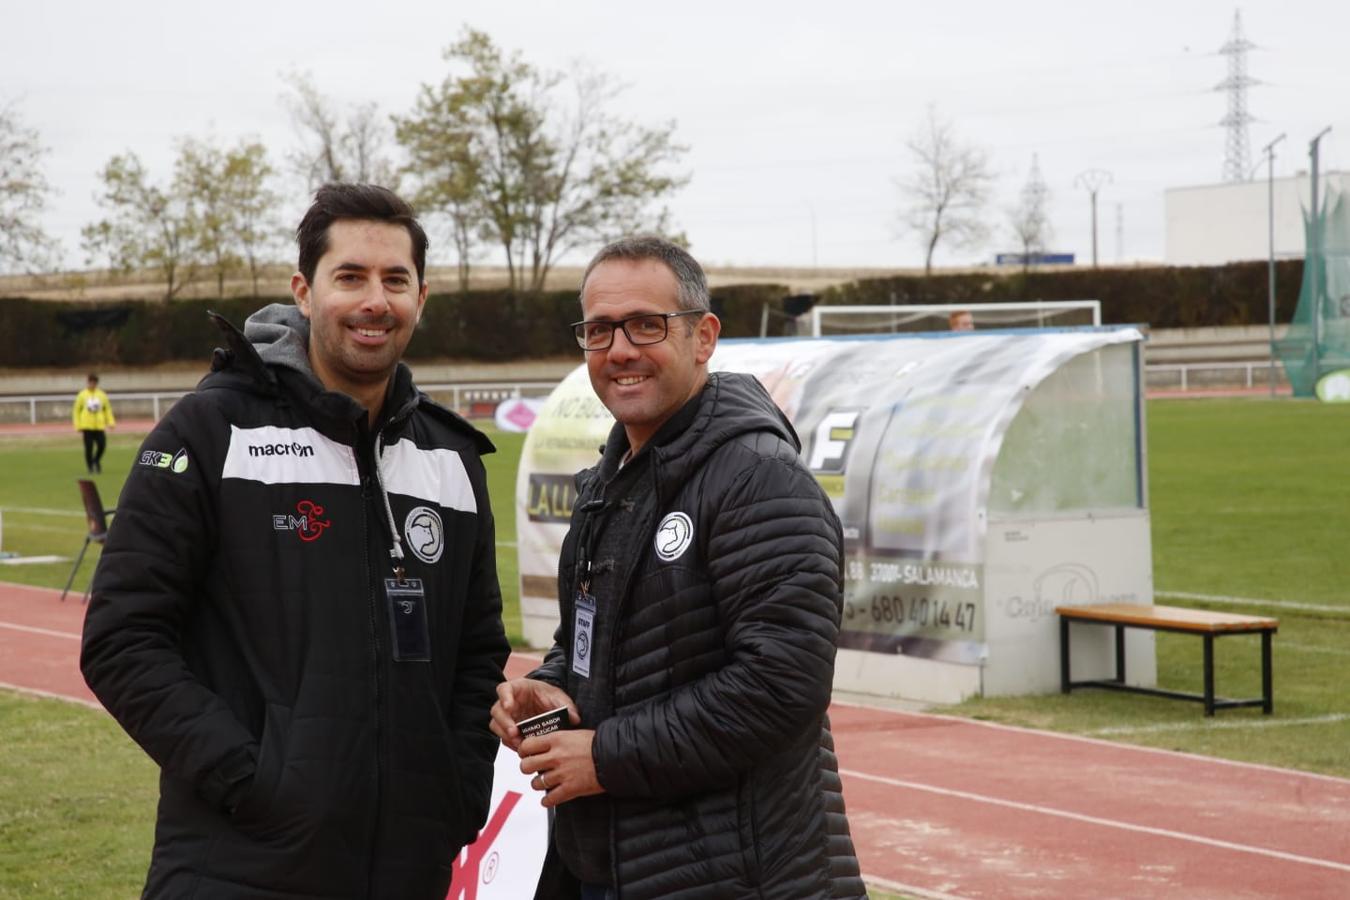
(97, 517)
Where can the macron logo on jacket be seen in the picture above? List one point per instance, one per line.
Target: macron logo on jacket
(273, 455)
(294, 448)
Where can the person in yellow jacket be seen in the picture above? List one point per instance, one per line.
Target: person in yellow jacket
(92, 416)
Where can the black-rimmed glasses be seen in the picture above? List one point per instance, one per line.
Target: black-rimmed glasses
(648, 328)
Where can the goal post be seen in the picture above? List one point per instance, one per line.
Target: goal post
(838, 320)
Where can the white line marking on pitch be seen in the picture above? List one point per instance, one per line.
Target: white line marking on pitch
(910, 890)
(1312, 648)
(1095, 820)
(47, 631)
(1252, 601)
(48, 695)
(1219, 726)
(39, 511)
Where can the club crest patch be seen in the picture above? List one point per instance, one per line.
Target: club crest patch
(424, 534)
(673, 536)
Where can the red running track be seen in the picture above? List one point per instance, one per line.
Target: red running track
(950, 808)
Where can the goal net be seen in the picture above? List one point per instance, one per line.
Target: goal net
(836, 320)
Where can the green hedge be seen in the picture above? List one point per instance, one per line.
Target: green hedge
(500, 325)
(1160, 296)
(481, 325)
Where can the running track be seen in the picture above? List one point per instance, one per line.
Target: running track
(950, 808)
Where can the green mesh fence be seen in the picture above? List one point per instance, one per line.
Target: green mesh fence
(1318, 340)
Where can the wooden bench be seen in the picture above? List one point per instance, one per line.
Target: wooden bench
(1209, 625)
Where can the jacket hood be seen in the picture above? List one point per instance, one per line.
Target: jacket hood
(279, 333)
(731, 404)
(274, 346)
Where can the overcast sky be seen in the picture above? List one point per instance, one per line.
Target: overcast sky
(795, 113)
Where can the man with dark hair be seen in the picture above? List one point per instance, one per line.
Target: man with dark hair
(700, 590)
(297, 612)
(93, 416)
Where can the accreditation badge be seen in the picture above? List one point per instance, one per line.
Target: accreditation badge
(407, 606)
(583, 633)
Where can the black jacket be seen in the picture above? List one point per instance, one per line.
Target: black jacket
(238, 630)
(716, 756)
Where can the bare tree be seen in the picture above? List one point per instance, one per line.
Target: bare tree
(336, 146)
(230, 202)
(1030, 216)
(197, 180)
(24, 191)
(147, 227)
(947, 188)
(254, 224)
(508, 161)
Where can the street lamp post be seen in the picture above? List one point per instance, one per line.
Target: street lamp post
(1313, 152)
(1269, 151)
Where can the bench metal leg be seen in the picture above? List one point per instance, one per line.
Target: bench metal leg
(1209, 674)
(1267, 680)
(1120, 654)
(71, 580)
(1063, 655)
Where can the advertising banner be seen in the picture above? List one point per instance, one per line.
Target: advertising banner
(504, 862)
(901, 432)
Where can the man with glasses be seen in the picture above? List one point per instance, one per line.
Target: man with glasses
(700, 591)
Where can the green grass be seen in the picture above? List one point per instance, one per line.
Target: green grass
(77, 815)
(1249, 499)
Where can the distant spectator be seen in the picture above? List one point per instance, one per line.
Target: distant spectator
(93, 416)
(961, 320)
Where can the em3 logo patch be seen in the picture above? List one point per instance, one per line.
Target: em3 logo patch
(424, 533)
(305, 521)
(673, 536)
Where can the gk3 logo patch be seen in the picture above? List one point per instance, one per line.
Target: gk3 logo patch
(673, 536)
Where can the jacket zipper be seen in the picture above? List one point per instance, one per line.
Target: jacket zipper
(372, 606)
(627, 586)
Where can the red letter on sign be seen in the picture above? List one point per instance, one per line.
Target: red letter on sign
(464, 876)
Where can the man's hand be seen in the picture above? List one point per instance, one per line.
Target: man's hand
(521, 698)
(563, 765)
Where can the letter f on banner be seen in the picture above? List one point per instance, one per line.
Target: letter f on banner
(833, 435)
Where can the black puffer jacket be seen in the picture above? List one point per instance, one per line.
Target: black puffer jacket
(717, 761)
(238, 630)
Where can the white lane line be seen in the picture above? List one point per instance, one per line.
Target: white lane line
(14, 626)
(1095, 820)
(908, 890)
(1219, 726)
(950, 719)
(40, 511)
(48, 695)
(1312, 648)
(1253, 601)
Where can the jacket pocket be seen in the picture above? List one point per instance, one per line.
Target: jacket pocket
(748, 828)
(254, 809)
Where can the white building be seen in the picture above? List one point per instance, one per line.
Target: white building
(1215, 224)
